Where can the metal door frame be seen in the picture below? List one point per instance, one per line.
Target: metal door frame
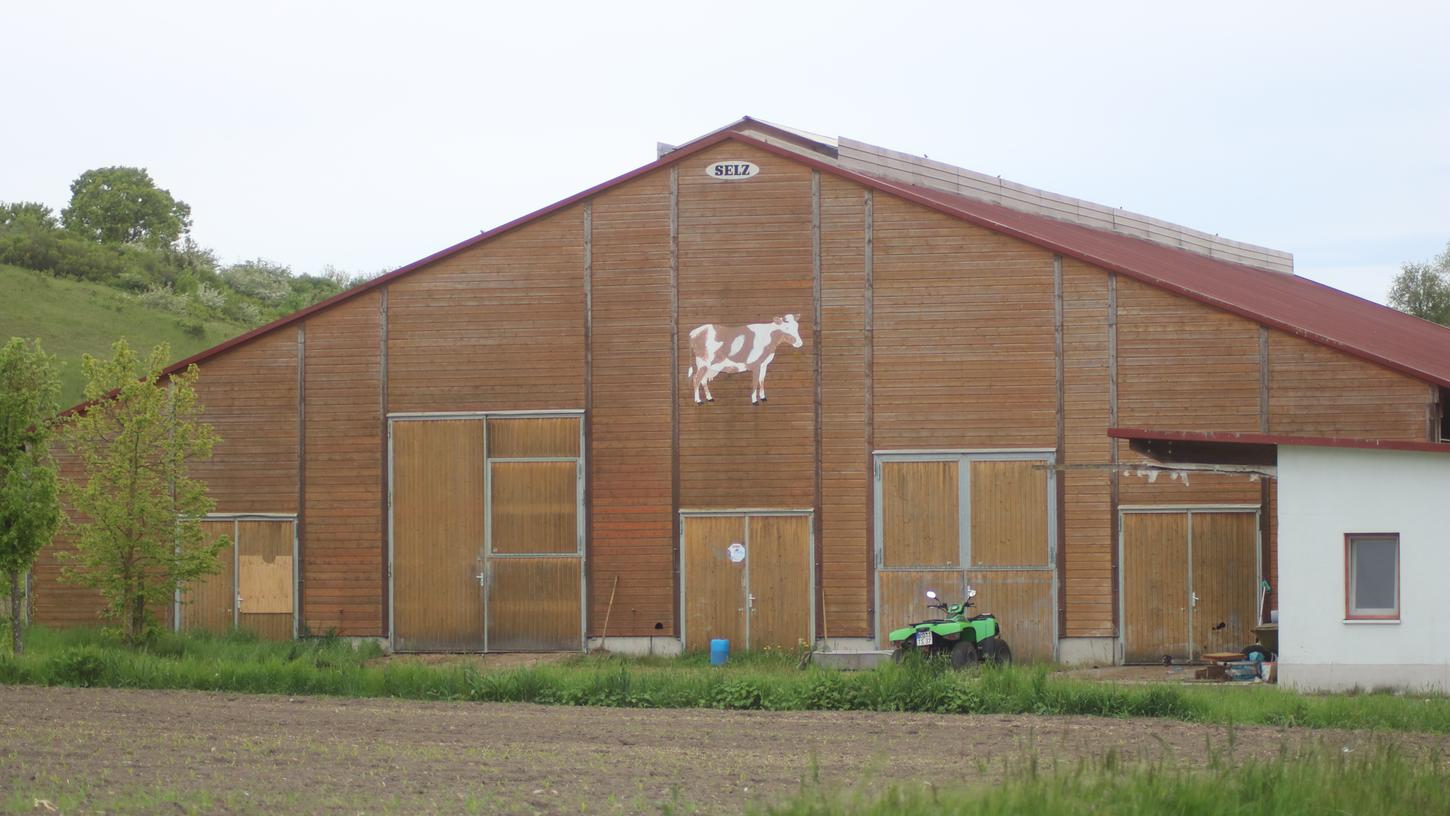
(746, 514)
(1189, 510)
(487, 544)
(964, 457)
(236, 519)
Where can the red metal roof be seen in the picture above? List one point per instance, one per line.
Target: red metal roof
(1293, 304)
(1234, 438)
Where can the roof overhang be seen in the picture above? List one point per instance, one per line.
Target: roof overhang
(1233, 448)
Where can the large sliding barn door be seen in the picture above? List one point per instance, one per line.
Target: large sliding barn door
(747, 578)
(949, 521)
(254, 589)
(1190, 582)
(487, 534)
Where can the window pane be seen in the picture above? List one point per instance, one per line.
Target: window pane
(1374, 574)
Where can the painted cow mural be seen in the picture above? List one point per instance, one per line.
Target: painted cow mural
(732, 349)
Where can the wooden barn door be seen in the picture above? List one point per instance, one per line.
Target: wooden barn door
(1190, 582)
(1155, 586)
(437, 535)
(255, 587)
(209, 603)
(535, 535)
(748, 578)
(265, 578)
(1225, 549)
(950, 521)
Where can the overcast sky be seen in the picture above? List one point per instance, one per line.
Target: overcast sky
(366, 135)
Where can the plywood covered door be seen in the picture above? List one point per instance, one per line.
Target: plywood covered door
(778, 582)
(208, 604)
(535, 535)
(438, 535)
(1225, 573)
(265, 578)
(1155, 586)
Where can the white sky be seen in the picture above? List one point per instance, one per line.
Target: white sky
(367, 135)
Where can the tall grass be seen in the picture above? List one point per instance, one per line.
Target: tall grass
(1316, 782)
(240, 663)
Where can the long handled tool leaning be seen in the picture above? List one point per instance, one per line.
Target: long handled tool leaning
(604, 635)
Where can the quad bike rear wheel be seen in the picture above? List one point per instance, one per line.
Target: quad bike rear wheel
(996, 650)
(964, 655)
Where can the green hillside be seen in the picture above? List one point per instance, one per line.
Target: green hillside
(72, 318)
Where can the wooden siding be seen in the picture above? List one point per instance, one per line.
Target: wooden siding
(745, 257)
(963, 343)
(1086, 515)
(1317, 391)
(1023, 601)
(53, 601)
(207, 604)
(1155, 586)
(497, 327)
(1186, 366)
(1009, 505)
(845, 546)
(533, 436)
(630, 446)
(343, 544)
(250, 399)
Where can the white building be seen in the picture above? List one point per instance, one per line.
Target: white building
(1364, 567)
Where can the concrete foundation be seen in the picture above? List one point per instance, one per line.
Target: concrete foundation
(1432, 677)
(638, 646)
(1087, 651)
(850, 661)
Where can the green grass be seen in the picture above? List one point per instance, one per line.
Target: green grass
(72, 318)
(239, 663)
(1322, 781)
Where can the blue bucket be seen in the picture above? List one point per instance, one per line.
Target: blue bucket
(719, 651)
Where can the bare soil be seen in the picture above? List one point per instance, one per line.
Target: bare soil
(109, 750)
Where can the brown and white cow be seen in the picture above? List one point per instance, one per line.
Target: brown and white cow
(731, 349)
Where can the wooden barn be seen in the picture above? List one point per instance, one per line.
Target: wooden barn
(771, 387)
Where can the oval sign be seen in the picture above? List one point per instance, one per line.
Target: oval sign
(731, 170)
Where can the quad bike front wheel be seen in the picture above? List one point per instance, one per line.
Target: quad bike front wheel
(964, 655)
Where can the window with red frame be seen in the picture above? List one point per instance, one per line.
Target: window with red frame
(1372, 576)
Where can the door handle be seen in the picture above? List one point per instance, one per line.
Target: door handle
(751, 601)
(482, 578)
(1195, 599)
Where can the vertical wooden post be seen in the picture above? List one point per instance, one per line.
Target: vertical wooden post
(586, 566)
(675, 394)
(1113, 476)
(301, 528)
(386, 503)
(816, 521)
(869, 346)
(1060, 457)
(1266, 510)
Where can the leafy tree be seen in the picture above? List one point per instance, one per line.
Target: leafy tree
(29, 507)
(141, 537)
(261, 279)
(1423, 289)
(23, 213)
(122, 205)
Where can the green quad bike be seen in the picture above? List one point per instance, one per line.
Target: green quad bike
(969, 640)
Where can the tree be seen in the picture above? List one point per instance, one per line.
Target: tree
(122, 205)
(1423, 289)
(29, 508)
(27, 213)
(266, 281)
(141, 537)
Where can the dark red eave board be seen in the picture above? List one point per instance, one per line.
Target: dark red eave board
(1292, 304)
(1237, 438)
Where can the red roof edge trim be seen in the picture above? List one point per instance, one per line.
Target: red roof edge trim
(1236, 438)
